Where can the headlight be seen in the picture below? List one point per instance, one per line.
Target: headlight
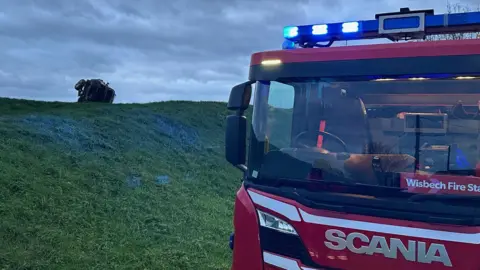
(272, 222)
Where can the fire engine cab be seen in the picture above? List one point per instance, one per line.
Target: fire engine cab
(360, 157)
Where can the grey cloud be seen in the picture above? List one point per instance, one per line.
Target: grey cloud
(149, 46)
(200, 25)
(152, 50)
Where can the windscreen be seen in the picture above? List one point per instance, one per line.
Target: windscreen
(417, 134)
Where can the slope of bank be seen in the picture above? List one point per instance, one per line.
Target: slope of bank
(123, 186)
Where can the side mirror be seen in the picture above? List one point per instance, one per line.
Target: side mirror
(236, 141)
(240, 96)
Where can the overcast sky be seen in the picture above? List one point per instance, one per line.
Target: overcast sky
(152, 50)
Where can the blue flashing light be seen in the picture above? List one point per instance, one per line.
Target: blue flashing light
(288, 45)
(231, 241)
(290, 32)
(461, 160)
(321, 29)
(395, 26)
(350, 27)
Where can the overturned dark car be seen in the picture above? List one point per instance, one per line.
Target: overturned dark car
(94, 90)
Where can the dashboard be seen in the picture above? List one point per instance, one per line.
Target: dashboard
(440, 143)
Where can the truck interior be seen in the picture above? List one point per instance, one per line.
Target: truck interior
(368, 131)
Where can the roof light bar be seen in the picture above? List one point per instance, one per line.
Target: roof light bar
(405, 24)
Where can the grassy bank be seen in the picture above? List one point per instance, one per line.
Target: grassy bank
(88, 186)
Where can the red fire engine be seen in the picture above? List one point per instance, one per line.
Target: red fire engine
(360, 157)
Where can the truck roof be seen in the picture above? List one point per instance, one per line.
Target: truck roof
(374, 51)
(307, 51)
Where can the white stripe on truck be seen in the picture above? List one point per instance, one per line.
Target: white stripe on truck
(291, 212)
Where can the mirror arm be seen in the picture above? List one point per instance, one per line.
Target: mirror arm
(242, 167)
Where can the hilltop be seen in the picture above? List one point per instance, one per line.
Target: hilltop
(122, 186)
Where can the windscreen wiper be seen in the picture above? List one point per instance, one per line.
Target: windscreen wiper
(329, 186)
(443, 197)
(384, 207)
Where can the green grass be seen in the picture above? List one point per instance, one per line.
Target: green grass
(65, 202)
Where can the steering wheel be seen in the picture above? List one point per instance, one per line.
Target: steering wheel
(323, 133)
